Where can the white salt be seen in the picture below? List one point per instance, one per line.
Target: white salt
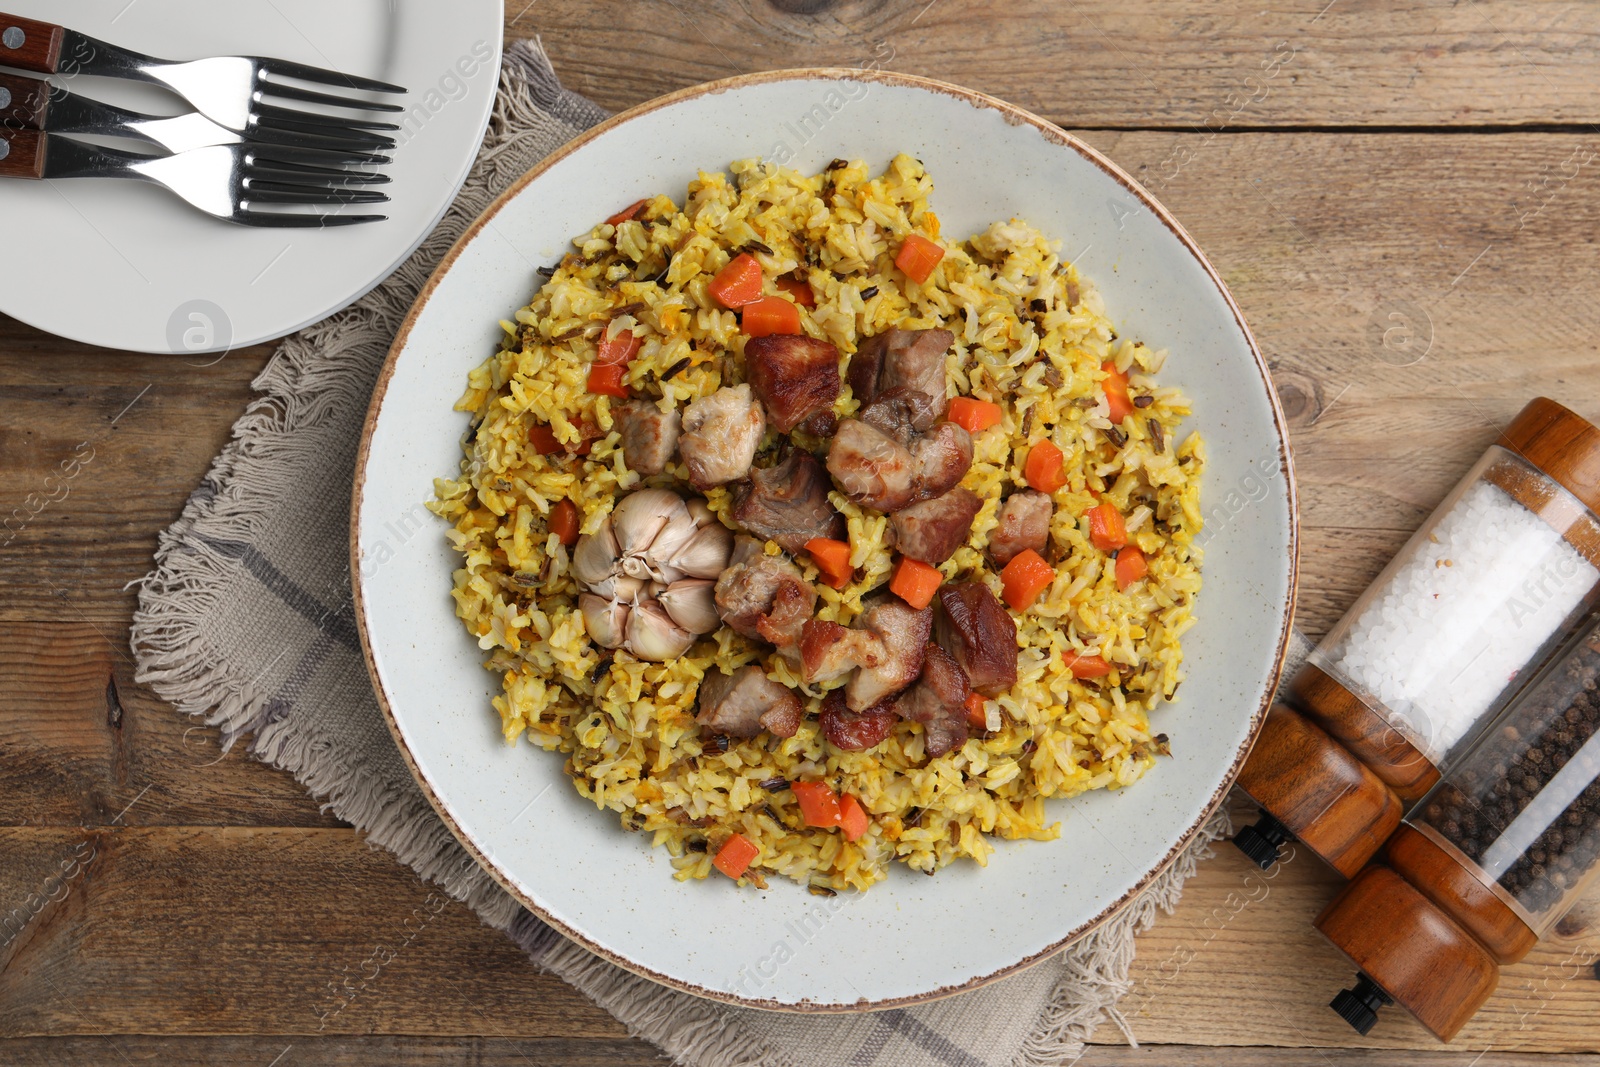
(1460, 613)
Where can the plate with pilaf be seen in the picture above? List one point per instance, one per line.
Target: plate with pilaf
(788, 518)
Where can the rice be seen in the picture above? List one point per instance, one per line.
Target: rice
(1031, 335)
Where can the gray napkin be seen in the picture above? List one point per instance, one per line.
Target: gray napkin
(247, 621)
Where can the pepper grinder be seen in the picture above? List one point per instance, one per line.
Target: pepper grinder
(1435, 648)
(1487, 863)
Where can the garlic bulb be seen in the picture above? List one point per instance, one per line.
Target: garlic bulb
(649, 573)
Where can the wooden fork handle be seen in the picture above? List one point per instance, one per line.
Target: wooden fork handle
(24, 101)
(23, 153)
(30, 44)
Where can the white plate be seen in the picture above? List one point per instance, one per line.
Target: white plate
(127, 265)
(910, 937)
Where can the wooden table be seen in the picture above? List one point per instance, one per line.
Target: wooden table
(1401, 196)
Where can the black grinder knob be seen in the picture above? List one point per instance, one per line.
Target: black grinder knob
(1359, 1006)
(1262, 841)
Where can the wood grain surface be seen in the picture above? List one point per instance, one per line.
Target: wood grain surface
(1404, 204)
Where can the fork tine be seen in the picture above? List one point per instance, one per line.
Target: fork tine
(325, 160)
(285, 69)
(269, 171)
(271, 192)
(360, 140)
(311, 119)
(297, 220)
(358, 155)
(293, 92)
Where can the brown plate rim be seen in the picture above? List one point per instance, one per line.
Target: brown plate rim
(1016, 116)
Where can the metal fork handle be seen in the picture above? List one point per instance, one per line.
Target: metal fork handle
(33, 104)
(44, 48)
(32, 154)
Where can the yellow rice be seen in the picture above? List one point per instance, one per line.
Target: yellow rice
(628, 733)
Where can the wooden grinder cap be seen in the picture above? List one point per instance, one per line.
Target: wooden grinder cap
(1410, 949)
(1561, 443)
(1446, 880)
(1365, 733)
(1318, 791)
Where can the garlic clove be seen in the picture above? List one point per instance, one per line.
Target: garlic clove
(621, 588)
(652, 635)
(595, 555)
(703, 515)
(605, 620)
(673, 536)
(706, 554)
(691, 604)
(640, 516)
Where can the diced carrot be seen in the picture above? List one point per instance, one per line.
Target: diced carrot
(918, 256)
(974, 415)
(799, 289)
(564, 522)
(819, 804)
(1083, 666)
(977, 714)
(769, 315)
(619, 349)
(543, 439)
(1116, 387)
(852, 818)
(1106, 528)
(734, 857)
(832, 559)
(1024, 578)
(627, 213)
(1045, 469)
(1131, 566)
(915, 582)
(607, 379)
(738, 283)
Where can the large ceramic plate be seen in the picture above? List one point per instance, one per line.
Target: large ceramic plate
(127, 265)
(910, 937)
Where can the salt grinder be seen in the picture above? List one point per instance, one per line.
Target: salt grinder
(1436, 647)
(1487, 862)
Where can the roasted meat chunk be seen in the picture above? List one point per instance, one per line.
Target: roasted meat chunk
(932, 530)
(792, 605)
(829, 651)
(649, 435)
(871, 468)
(912, 360)
(744, 703)
(943, 456)
(938, 701)
(794, 377)
(764, 597)
(789, 503)
(976, 629)
(891, 413)
(1024, 524)
(720, 435)
(903, 632)
(855, 731)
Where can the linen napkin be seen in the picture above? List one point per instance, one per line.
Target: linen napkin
(247, 621)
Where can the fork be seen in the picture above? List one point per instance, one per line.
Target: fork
(231, 91)
(33, 104)
(228, 181)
